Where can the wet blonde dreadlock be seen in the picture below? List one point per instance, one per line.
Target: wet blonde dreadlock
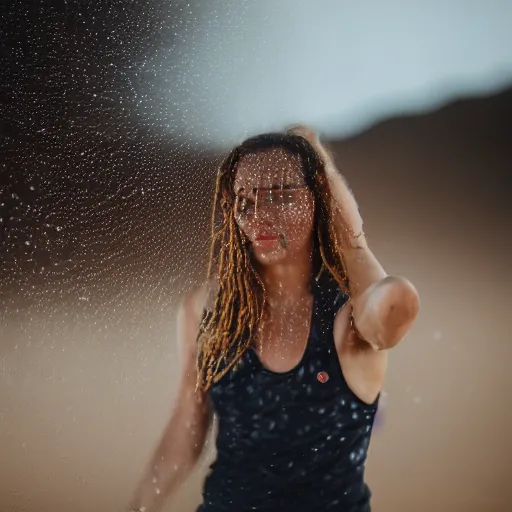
(229, 327)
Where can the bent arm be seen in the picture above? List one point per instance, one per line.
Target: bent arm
(383, 307)
(385, 311)
(183, 439)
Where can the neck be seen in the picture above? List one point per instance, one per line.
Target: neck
(288, 282)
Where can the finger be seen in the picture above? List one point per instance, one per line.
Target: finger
(304, 131)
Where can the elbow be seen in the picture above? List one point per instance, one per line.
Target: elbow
(398, 313)
(389, 312)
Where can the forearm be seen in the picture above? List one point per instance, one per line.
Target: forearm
(176, 455)
(365, 274)
(163, 476)
(362, 267)
(384, 307)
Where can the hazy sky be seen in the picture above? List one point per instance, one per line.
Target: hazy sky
(339, 65)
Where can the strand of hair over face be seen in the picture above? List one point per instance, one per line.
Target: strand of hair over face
(230, 328)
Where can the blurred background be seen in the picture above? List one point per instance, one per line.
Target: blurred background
(113, 117)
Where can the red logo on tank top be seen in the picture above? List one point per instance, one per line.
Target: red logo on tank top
(323, 377)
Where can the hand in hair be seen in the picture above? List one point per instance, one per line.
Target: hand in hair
(347, 218)
(306, 132)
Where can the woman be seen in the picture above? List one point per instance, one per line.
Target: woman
(289, 347)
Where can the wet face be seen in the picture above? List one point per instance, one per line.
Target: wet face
(273, 206)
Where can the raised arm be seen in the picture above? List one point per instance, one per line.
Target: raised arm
(184, 436)
(384, 307)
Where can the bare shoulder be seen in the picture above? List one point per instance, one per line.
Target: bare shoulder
(364, 368)
(190, 313)
(190, 400)
(193, 301)
(199, 298)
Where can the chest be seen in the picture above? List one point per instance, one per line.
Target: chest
(283, 337)
(254, 403)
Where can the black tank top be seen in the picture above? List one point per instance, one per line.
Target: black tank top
(294, 441)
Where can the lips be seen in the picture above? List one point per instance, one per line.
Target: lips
(266, 237)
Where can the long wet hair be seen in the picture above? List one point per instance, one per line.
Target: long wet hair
(230, 325)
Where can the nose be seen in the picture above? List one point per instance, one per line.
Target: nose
(263, 216)
(267, 223)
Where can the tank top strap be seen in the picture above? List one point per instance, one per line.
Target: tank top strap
(329, 299)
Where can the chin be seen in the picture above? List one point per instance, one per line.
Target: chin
(269, 256)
